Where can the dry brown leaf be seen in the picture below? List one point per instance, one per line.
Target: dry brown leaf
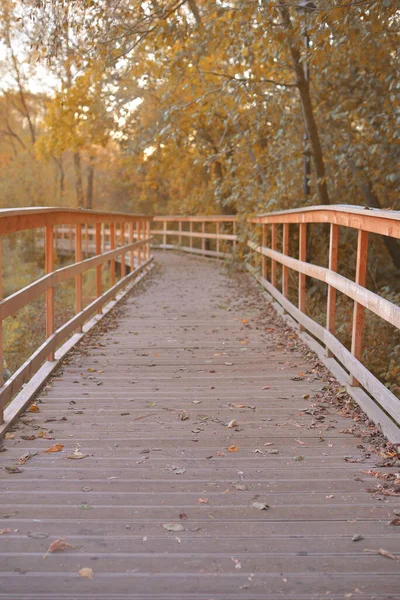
(233, 449)
(86, 572)
(55, 448)
(245, 321)
(9, 436)
(202, 500)
(58, 546)
(238, 406)
(77, 455)
(4, 531)
(232, 424)
(34, 408)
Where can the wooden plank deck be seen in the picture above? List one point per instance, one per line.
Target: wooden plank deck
(193, 342)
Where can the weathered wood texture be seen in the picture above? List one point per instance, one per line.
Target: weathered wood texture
(190, 342)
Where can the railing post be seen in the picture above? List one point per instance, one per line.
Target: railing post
(122, 240)
(49, 260)
(358, 310)
(180, 234)
(234, 233)
(71, 245)
(203, 239)
(164, 233)
(86, 240)
(98, 269)
(331, 301)
(264, 258)
(78, 278)
(191, 231)
(1, 333)
(273, 247)
(131, 253)
(302, 277)
(148, 243)
(285, 270)
(218, 233)
(112, 247)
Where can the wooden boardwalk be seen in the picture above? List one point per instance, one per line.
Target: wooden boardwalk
(161, 499)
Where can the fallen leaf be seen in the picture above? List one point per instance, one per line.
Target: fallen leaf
(85, 506)
(232, 424)
(395, 521)
(228, 364)
(233, 449)
(202, 500)
(9, 436)
(238, 564)
(58, 546)
(173, 527)
(273, 451)
(28, 438)
(86, 572)
(183, 516)
(86, 488)
(298, 458)
(245, 321)
(34, 408)
(260, 505)
(55, 448)
(238, 406)
(77, 455)
(183, 415)
(178, 470)
(4, 531)
(357, 537)
(13, 469)
(25, 457)
(239, 486)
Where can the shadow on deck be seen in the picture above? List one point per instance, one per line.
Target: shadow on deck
(202, 452)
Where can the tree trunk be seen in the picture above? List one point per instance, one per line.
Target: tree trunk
(90, 184)
(78, 180)
(372, 201)
(303, 86)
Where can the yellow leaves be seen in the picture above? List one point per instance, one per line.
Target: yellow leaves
(233, 449)
(86, 572)
(34, 408)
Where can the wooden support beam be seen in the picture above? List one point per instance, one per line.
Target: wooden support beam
(264, 259)
(285, 270)
(78, 278)
(331, 299)
(302, 277)
(273, 247)
(49, 263)
(98, 269)
(358, 310)
(122, 242)
(112, 247)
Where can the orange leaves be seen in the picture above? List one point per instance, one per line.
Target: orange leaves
(202, 500)
(34, 408)
(58, 546)
(55, 448)
(233, 449)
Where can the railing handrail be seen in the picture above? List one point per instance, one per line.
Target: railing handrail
(13, 220)
(381, 221)
(195, 218)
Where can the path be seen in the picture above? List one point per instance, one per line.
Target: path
(147, 401)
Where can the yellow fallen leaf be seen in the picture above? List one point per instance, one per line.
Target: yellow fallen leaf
(55, 448)
(9, 436)
(34, 408)
(238, 406)
(245, 321)
(86, 572)
(233, 449)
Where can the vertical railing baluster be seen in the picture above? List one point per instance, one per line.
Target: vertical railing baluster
(218, 234)
(234, 233)
(164, 233)
(273, 247)
(358, 310)
(180, 234)
(203, 239)
(191, 232)
(333, 264)
(302, 277)
(264, 258)
(71, 245)
(78, 278)
(86, 240)
(98, 268)
(112, 247)
(49, 260)
(1, 333)
(149, 242)
(131, 253)
(139, 233)
(122, 241)
(285, 269)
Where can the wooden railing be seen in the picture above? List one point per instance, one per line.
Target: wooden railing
(114, 236)
(213, 235)
(381, 222)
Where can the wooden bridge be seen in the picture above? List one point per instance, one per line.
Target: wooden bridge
(190, 433)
